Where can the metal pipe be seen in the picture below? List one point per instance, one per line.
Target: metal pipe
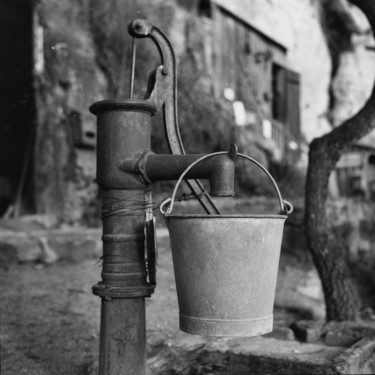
(164, 167)
(219, 170)
(122, 337)
(123, 287)
(123, 130)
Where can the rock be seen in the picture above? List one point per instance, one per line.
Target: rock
(253, 355)
(39, 221)
(346, 333)
(8, 255)
(20, 225)
(281, 333)
(76, 244)
(27, 249)
(47, 246)
(333, 338)
(359, 359)
(93, 368)
(290, 292)
(259, 355)
(48, 255)
(309, 331)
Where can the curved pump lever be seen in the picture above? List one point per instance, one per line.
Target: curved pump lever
(162, 91)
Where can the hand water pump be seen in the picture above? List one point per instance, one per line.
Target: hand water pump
(225, 265)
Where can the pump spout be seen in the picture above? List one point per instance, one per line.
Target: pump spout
(222, 177)
(219, 170)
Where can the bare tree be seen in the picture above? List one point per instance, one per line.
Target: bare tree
(341, 297)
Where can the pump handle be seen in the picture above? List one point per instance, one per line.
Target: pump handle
(163, 92)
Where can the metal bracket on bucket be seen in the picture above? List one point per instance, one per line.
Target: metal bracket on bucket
(286, 207)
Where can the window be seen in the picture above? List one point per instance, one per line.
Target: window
(204, 8)
(286, 99)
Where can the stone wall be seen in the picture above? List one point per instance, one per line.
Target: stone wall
(296, 25)
(68, 81)
(86, 58)
(327, 45)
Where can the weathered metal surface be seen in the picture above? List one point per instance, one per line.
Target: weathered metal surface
(122, 337)
(123, 130)
(225, 266)
(121, 134)
(219, 170)
(226, 270)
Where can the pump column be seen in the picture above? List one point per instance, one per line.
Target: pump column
(123, 130)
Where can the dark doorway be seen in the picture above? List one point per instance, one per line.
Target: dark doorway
(17, 104)
(286, 99)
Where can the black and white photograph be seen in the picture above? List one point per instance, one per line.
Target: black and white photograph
(187, 187)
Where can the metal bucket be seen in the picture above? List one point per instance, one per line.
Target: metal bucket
(225, 267)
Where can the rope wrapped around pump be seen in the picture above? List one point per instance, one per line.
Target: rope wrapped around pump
(125, 207)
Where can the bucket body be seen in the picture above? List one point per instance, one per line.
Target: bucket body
(226, 270)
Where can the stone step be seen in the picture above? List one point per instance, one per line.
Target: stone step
(49, 245)
(260, 355)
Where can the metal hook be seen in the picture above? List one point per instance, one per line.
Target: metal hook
(233, 151)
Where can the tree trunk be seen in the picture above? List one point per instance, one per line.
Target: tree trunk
(327, 250)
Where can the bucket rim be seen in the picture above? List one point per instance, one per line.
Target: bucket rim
(225, 216)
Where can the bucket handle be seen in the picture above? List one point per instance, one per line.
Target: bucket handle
(286, 207)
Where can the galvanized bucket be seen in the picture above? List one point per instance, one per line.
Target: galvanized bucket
(225, 267)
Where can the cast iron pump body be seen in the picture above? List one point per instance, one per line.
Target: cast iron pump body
(126, 167)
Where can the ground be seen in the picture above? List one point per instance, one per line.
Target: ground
(50, 319)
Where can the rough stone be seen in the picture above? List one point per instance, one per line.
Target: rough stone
(69, 84)
(358, 359)
(48, 254)
(23, 224)
(347, 333)
(8, 255)
(296, 25)
(290, 295)
(77, 244)
(48, 246)
(309, 331)
(85, 64)
(281, 333)
(340, 339)
(257, 355)
(27, 249)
